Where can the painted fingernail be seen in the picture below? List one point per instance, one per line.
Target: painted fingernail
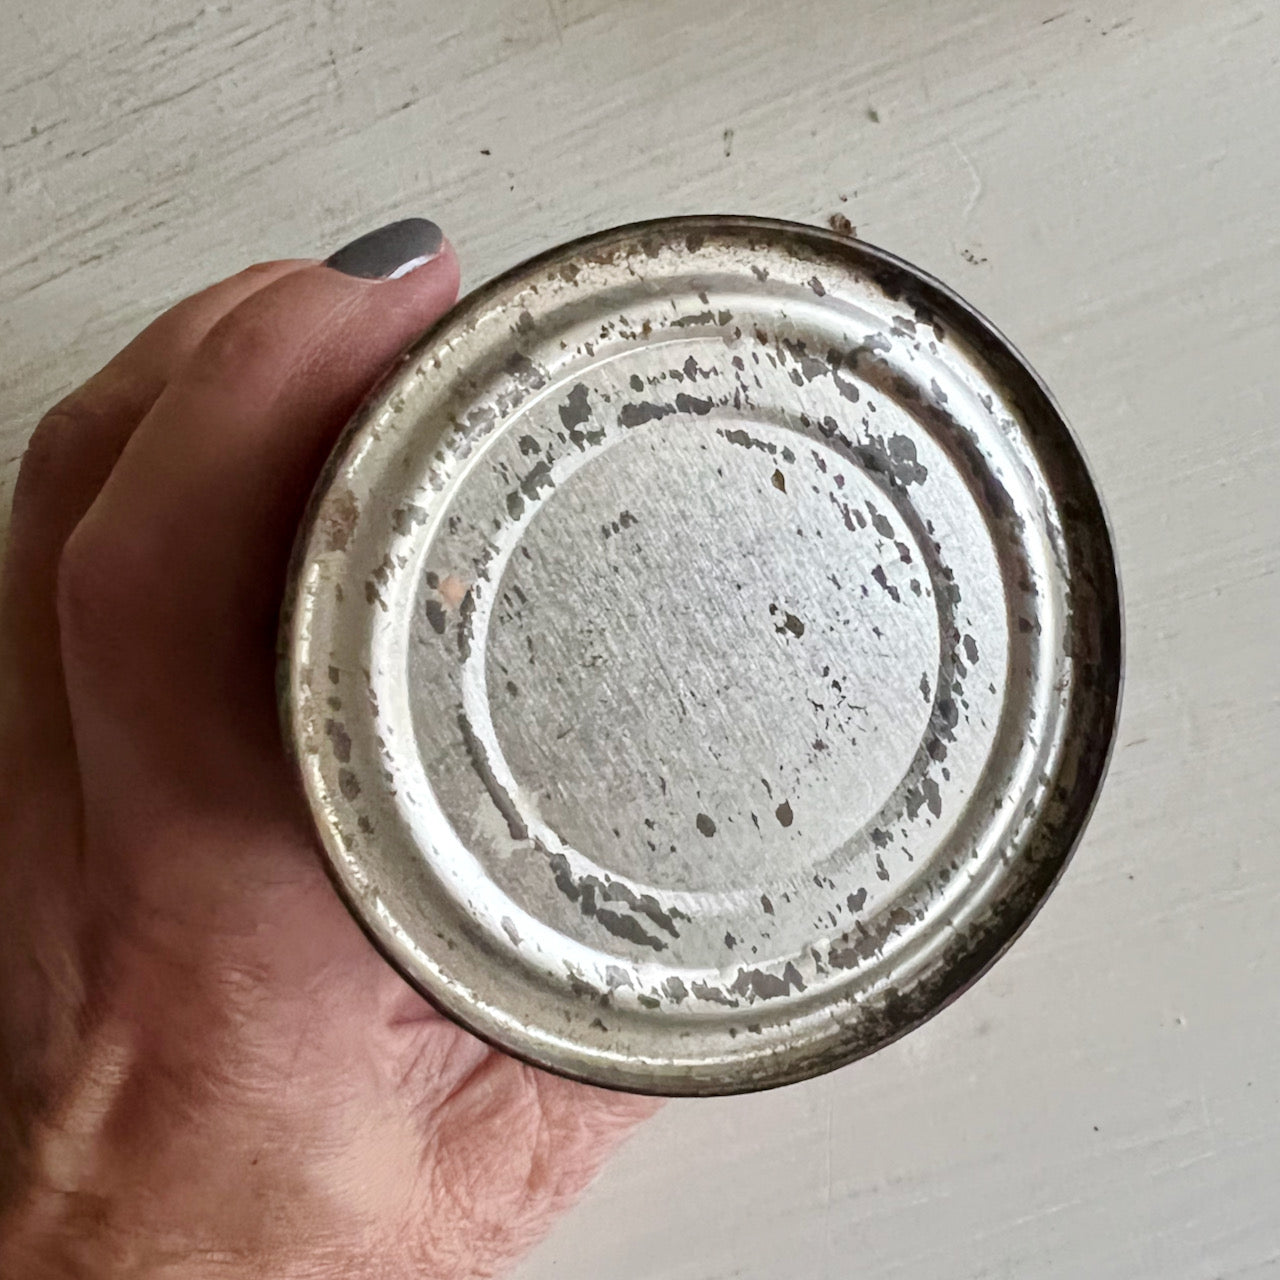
(389, 252)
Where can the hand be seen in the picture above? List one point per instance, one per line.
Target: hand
(205, 1068)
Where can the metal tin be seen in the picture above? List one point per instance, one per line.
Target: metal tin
(702, 655)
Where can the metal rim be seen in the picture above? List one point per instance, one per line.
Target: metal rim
(1090, 547)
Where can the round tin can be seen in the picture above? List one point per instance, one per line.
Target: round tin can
(702, 655)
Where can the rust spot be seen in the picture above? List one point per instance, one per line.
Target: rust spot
(341, 514)
(790, 623)
(767, 986)
(407, 518)
(435, 616)
(634, 415)
(452, 590)
(692, 404)
(337, 734)
(675, 989)
(712, 995)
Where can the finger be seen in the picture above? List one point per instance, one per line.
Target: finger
(170, 585)
(73, 449)
(66, 463)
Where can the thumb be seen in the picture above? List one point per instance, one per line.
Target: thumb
(169, 586)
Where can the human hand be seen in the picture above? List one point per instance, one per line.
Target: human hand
(205, 1068)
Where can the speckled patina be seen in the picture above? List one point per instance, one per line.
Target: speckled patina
(702, 655)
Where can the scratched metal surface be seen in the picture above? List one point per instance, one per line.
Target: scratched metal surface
(702, 655)
(1101, 179)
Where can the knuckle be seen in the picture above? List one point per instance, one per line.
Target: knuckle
(51, 450)
(241, 347)
(272, 267)
(80, 436)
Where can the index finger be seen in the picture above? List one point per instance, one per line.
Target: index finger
(69, 457)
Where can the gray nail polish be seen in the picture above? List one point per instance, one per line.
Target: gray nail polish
(389, 252)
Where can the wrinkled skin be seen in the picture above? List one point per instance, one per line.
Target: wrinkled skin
(206, 1070)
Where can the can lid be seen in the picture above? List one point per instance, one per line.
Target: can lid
(702, 655)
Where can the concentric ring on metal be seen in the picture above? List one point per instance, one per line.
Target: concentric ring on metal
(702, 655)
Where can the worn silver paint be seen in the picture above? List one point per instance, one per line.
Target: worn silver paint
(702, 655)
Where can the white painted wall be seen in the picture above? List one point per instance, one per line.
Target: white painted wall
(1105, 182)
